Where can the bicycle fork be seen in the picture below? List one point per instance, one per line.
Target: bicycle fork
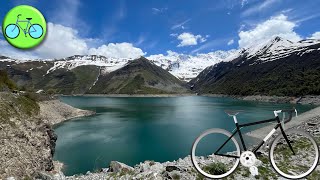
(286, 138)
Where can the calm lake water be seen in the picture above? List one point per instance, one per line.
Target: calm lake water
(135, 129)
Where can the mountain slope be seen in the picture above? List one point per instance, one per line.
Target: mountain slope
(5, 82)
(184, 67)
(36, 75)
(279, 67)
(139, 76)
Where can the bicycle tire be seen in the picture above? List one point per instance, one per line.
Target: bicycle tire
(37, 36)
(193, 151)
(295, 144)
(14, 36)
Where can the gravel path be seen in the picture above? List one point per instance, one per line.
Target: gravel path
(296, 121)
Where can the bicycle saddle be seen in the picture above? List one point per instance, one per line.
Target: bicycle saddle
(29, 19)
(233, 112)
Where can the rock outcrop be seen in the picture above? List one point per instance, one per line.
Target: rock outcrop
(27, 139)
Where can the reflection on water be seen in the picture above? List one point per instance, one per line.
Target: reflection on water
(135, 129)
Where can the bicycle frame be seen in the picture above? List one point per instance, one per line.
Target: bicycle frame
(25, 31)
(255, 149)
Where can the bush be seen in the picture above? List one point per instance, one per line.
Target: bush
(216, 168)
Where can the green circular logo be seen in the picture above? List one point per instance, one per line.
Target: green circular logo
(24, 27)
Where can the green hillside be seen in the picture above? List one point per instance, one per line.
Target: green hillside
(139, 76)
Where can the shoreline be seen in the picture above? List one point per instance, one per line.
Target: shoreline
(55, 112)
(304, 100)
(128, 95)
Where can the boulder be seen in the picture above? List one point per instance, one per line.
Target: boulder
(116, 167)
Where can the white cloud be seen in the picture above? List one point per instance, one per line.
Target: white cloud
(259, 7)
(180, 25)
(243, 2)
(307, 18)
(9, 51)
(118, 50)
(315, 35)
(67, 14)
(275, 26)
(188, 39)
(61, 42)
(159, 10)
(172, 53)
(140, 40)
(230, 42)
(174, 34)
(210, 45)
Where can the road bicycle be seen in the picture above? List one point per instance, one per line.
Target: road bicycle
(293, 154)
(35, 31)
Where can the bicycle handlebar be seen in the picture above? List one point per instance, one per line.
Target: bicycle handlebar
(289, 111)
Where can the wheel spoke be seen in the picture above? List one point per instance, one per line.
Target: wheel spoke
(211, 164)
(299, 163)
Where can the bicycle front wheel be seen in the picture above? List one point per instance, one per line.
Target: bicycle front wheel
(35, 31)
(215, 154)
(297, 162)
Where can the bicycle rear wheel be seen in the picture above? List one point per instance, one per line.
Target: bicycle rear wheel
(295, 165)
(12, 31)
(208, 161)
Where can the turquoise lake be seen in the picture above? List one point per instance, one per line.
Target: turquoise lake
(134, 129)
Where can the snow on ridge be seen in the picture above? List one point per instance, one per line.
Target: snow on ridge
(187, 67)
(278, 48)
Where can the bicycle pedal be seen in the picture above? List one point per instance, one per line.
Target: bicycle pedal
(254, 171)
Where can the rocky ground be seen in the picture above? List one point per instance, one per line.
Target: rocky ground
(26, 142)
(313, 100)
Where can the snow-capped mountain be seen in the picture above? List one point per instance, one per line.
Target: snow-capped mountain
(276, 67)
(187, 67)
(277, 48)
(184, 67)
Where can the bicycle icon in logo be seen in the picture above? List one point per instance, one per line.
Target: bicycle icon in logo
(35, 31)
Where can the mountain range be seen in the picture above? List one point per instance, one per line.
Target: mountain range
(275, 67)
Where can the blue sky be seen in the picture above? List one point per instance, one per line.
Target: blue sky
(149, 27)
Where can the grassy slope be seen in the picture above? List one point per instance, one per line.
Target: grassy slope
(75, 81)
(16, 106)
(5, 82)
